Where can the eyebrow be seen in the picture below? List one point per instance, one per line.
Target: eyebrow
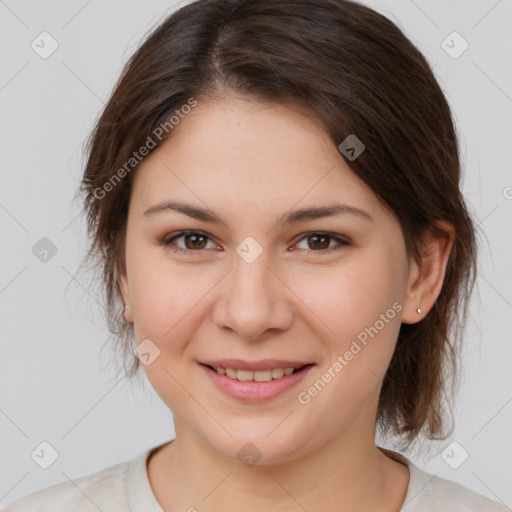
(293, 217)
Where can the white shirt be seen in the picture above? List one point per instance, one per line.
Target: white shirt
(125, 487)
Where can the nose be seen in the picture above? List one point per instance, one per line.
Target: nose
(253, 300)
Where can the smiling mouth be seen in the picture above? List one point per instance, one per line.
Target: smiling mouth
(256, 376)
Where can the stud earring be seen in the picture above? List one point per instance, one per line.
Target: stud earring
(419, 311)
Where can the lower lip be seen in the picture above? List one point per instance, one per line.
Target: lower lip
(252, 391)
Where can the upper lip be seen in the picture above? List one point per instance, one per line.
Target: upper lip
(262, 364)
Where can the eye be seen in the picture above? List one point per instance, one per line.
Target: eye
(194, 241)
(321, 242)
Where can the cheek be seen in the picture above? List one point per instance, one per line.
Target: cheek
(353, 296)
(167, 301)
(166, 296)
(357, 307)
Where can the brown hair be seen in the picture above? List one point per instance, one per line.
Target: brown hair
(359, 74)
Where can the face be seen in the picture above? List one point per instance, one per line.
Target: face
(257, 284)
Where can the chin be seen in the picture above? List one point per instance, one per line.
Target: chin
(259, 448)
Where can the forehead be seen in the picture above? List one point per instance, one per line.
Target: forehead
(242, 155)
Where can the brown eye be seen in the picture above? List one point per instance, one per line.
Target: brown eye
(321, 242)
(193, 241)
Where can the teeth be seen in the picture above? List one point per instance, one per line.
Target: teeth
(232, 374)
(258, 376)
(245, 375)
(277, 373)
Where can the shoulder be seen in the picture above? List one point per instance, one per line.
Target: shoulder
(452, 496)
(102, 490)
(427, 492)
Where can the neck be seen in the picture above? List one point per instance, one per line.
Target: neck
(346, 474)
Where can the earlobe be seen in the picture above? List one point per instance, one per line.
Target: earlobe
(127, 310)
(426, 276)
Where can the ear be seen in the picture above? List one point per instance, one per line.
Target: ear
(124, 289)
(426, 277)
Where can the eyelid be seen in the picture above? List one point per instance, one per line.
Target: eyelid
(167, 240)
(342, 240)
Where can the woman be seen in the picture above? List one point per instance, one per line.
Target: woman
(273, 196)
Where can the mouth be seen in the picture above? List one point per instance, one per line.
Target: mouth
(254, 383)
(256, 375)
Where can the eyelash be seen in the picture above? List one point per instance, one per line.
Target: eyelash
(341, 241)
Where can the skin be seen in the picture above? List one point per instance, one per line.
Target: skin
(250, 163)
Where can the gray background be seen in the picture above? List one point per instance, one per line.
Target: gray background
(56, 386)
